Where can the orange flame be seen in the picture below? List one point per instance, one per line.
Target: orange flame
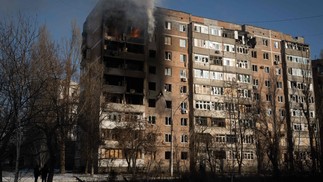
(135, 33)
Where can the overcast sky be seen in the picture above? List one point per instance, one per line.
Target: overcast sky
(294, 17)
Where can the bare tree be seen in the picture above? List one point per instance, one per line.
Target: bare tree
(271, 119)
(90, 111)
(134, 138)
(17, 36)
(48, 74)
(238, 104)
(307, 107)
(69, 90)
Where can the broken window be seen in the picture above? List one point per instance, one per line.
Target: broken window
(168, 87)
(183, 89)
(152, 86)
(152, 69)
(266, 55)
(182, 28)
(168, 104)
(218, 122)
(167, 153)
(201, 28)
(216, 60)
(151, 103)
(182, 74)
(168, 55)
(265, 42)
(202, 121)
(183, 107)
(168, 25)
(152, 53)
(182, 57)
(184, 138)
(184, 155)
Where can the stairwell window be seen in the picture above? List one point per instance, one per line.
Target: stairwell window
(276, 45)
(151, 103)
(255, 82)
(265, 42)
(168, 55)
(168, 40)
(183, 89)
(152, 86)
(183, 121)
(182, 28)
(168, 71)
(184, 138)
(168, 137)
(266, 55)
(168, 104)
(182, 57)
(182, 74)
(168, 121)
(168, 87)
(168, 25)
(280, 98)
(255, 68)
(167, 154)
(184, 155)
(182, 43)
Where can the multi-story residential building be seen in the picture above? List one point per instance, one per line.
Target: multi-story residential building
(218, 96)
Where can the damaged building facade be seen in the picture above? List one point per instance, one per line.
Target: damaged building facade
(205, 93)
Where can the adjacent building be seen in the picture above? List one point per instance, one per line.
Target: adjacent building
(217, 95)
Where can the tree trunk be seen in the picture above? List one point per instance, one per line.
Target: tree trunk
(18, 147)
(62, 157)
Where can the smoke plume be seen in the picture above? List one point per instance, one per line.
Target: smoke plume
(137, 13)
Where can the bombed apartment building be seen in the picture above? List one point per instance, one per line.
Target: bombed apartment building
(181, 92)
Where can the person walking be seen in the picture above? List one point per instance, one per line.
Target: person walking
(36, 172)
(44, 173)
